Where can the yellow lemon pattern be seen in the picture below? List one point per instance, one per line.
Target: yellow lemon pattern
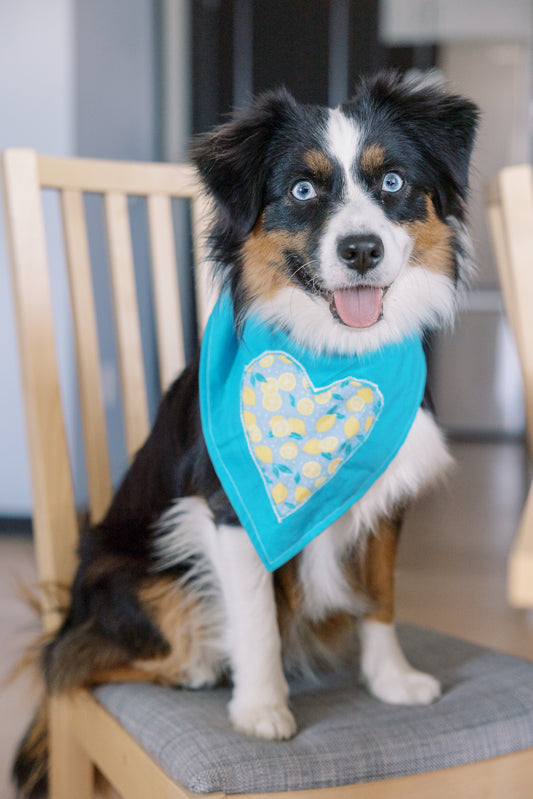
(300, 435)
(279, 493)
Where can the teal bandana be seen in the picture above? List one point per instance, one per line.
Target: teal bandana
(296, 439)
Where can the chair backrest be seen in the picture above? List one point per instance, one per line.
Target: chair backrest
(25, 176)
(510, 213)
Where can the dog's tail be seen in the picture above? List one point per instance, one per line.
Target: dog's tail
(30, 764)
(30, 767)
(86, 655)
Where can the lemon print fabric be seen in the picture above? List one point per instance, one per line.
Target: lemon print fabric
(296, 437)
(300, 435)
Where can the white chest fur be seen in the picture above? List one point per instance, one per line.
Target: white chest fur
(422, 459)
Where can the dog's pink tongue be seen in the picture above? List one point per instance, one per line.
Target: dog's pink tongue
(359, 307)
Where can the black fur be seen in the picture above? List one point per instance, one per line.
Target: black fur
(427, 128)
(246, 165)
(117, 554)
(423, 130)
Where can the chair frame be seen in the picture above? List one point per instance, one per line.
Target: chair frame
(509, 200)
(82, 734)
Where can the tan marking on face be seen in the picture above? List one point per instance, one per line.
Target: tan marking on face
(319, 164)
(264, 260)
(372, 158)
(432, 243)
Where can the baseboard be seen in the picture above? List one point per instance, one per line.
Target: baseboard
(17, 525)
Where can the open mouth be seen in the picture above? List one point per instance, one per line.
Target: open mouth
(358, 307)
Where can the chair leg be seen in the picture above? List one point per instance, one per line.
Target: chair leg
(71, 772)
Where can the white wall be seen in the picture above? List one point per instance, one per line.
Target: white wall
(117, 117)
(497, 76)
(36, 110)
(429, 21)
(485, 51)
(77, 77)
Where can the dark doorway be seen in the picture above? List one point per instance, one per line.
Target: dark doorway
(315, 48)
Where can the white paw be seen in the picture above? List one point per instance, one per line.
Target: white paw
(200, 676)
(276, 723)
(409, 687)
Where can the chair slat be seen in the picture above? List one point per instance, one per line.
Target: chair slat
(520, 563)
(87, 352)
(516, 187)
(169, 322)
(131, 364)
(498, 233)
(510, 214)
(205, 291)
(55, 520)
(132, 178)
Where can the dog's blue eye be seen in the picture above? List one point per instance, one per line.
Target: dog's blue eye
(303, 190)
(392, 182)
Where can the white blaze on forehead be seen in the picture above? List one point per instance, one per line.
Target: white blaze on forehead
(344, 143)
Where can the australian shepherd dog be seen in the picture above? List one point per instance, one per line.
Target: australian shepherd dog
(343, 230)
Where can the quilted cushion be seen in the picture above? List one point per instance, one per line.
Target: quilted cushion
(344, 735)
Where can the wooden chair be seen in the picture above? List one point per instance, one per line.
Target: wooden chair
(510, 213)
(83, 732)
(55, 519)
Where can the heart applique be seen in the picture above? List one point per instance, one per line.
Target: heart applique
(300, 435)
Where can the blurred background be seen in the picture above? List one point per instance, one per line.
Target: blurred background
(134, 79)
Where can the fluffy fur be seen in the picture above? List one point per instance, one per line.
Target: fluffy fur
(345, 227)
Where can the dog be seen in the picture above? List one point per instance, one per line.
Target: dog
(339, 236)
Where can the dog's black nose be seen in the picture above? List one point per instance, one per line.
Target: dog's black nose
(362, 252)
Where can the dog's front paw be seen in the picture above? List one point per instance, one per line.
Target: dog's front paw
(404, 687)
(387, 673)
(276, 722)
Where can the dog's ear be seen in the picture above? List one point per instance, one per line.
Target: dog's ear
(455, 123)
(447, 124)
(234, 159)
(444, 125)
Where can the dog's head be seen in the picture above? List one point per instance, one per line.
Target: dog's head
(345, 226)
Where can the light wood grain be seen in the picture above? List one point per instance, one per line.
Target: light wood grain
(166, 293)
(71, 769)
(520, 582)
(127, 325)
(206, 292)
(137, 776)
(87, 352)
(127, 177)
(55, 520)
(127, 766)
(511, 218)
(510, 215)
(82, 733)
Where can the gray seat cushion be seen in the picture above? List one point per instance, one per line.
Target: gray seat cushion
(344, 735)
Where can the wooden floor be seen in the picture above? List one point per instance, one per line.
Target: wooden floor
(451, 574)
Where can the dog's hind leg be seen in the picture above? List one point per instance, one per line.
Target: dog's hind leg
(384, 668)
(260, 691)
